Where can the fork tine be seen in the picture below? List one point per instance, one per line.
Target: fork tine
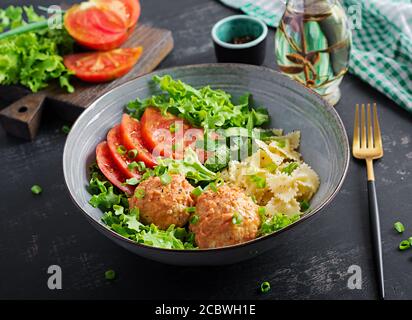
(377, 130)
(356, 128)
(370, 134)
(363, 127)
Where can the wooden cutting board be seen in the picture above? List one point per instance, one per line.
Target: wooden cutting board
(22, 117)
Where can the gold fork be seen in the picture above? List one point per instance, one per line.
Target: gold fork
(367, 145)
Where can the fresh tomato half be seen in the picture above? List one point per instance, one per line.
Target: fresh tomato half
(132, 139)
(108, 167)
(95, 26)
(167, 134)
(129, 9)
(102, 66)
(121, 156)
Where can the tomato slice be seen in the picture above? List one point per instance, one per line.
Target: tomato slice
(108, 167)
(114, 140)
(167, 134)
(132, 139)
(129, 9)
(102, 66)
(96, 27)
(116, 6)
(134, 9)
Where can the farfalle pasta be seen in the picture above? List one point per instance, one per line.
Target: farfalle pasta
(276, 176)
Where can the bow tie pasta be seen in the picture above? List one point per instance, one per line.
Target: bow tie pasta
(276, 177)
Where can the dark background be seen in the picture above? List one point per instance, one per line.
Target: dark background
(308, 262)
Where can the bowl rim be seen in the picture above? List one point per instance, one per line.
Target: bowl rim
(305, 217)
(246, 45)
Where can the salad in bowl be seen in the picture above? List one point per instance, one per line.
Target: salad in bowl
(191, 168)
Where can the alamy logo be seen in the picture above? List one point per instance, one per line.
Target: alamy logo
(55, 280)
(355, 280)
(354, 14)
(55, 20)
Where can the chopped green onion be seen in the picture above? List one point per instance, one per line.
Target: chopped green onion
(132, 165)
(265, 287)
(66, 129)
(191, 209)
(173, 128)
(219, 181)
(165, 178)
(194, 219)
(110, 275)
(304, 205)
(132, 181)
(139, 193)
(146, 175)
(25, 28)
(121, 150)
(142, 166)
(36, 189)
(262, 212)
(399, 227)
(290, 168)
(197, 191)
(271, 167)
(410, 240)
(159, 170)
(212, 186)
(237, 218)
(405, 244)
(259, 181)
(131, 154)
(281, 143)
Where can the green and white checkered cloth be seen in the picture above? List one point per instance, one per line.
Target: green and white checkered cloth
(381, 54)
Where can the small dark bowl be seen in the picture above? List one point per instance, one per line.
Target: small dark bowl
(239, 26)
(291, 106)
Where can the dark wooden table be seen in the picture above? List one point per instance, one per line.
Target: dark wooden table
(309, 262)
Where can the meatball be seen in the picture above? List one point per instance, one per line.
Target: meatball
(226, 217)
(161, 204)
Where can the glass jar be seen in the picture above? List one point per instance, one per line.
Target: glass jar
(313, 43)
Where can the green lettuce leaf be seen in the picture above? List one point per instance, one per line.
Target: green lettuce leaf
(190, 166)
(129, 226)
(276, 222)
(32, 58)
(105, 200)
(205, 107)
(125, 222)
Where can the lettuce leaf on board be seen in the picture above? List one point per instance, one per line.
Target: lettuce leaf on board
(32, 58)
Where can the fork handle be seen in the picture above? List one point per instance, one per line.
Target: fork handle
(376, 235)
